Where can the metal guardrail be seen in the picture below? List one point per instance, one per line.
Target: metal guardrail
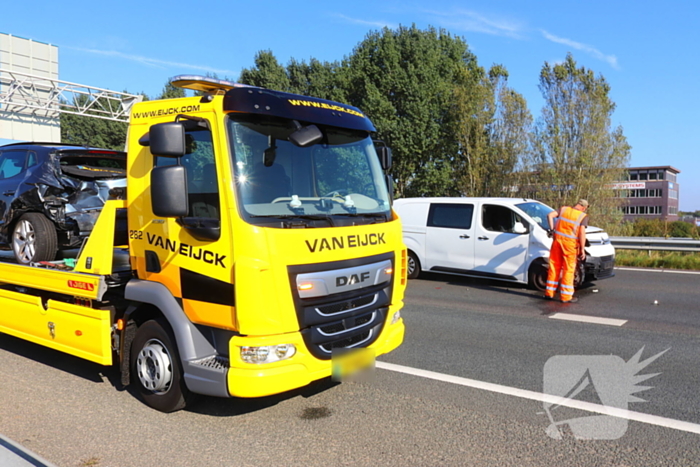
(656, 243)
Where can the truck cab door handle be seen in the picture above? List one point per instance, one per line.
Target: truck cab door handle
(464, 236)
(8, 193)
(483, 238)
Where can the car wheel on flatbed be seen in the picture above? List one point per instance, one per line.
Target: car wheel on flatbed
(34, 239)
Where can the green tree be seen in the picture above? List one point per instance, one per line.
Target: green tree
(267, 73)
(510, 135)
(318, 79)
(492, 130)
(576, 152)
(649, 228)
(83, 130)
(171, 92)
(404, 80)
(681, 229)
(472, 113)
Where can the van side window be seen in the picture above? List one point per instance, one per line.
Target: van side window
(499, 218)
(451, 216)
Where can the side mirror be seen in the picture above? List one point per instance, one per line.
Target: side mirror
(169, 191)
(384, 154)
(519, 228)
(167, 139)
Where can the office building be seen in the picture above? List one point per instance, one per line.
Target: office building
(650, 192)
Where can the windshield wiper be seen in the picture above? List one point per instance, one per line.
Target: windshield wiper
(369, 215)
(296, 220)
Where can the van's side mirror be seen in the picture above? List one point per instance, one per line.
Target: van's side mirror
(519, 228)
(169, 191)
(167, 139)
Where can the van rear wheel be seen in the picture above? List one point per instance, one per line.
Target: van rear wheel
(413, 265)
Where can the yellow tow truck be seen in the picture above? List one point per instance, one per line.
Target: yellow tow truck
(254, 242)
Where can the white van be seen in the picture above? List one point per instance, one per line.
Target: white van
(496, 238)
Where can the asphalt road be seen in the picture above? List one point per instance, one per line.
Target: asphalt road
(73, 413)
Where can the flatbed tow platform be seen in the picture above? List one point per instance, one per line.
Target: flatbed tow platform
(67, 310)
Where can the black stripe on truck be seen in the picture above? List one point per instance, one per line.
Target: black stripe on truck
(195, 286)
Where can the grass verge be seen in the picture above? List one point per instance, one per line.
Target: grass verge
(658, 259)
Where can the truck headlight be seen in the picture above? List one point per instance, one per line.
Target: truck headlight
(395, 319)
(267, 353)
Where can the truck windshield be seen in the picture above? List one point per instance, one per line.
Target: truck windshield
(335, 182)
(537, 211)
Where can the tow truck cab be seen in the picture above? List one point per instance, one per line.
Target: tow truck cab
(265, 217)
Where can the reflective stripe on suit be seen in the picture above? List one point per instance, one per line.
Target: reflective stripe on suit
(562, 256)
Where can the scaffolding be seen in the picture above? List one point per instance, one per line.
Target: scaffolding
(42, 97)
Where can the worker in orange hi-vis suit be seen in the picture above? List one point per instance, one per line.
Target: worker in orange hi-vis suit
(568, 245)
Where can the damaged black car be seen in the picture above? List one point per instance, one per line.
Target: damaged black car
(52, 194)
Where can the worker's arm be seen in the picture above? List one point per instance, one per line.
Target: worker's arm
(550, 219)
(582, 242)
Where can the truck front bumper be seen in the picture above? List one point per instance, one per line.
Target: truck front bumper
(258, 380)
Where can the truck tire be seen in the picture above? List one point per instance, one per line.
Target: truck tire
(34, 239)
(155, 368)
(413, 265)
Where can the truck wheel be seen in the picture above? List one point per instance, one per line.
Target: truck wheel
(538, 275)
(34, 239)
(155, 368)
(413, 265)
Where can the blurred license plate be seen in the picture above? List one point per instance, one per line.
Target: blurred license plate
(352, 364)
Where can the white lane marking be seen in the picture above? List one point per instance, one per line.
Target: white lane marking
(588, 319)
(550, 399)
(669, 271)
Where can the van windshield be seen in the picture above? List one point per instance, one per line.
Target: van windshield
(325, 184)
(537, 211)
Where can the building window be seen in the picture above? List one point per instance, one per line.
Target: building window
(673, 194)
(652, 175)
(634, 176)
(643, 176)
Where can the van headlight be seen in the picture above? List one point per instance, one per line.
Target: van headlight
(267, 353)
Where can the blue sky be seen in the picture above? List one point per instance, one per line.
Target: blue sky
(647, 51)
